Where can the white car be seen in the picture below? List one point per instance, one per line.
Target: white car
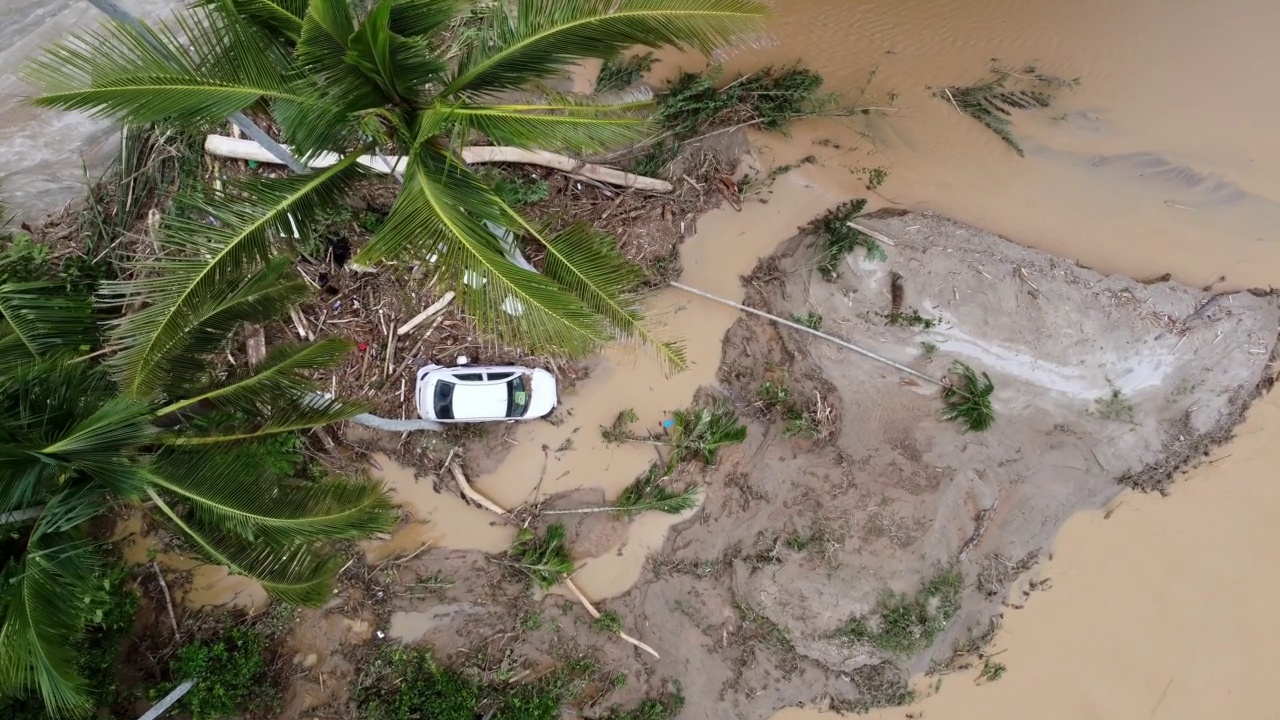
(494, 393)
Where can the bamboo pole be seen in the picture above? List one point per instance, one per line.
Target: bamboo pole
(829, 338)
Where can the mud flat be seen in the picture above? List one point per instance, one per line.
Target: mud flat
(775, 593)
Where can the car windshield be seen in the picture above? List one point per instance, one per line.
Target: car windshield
(518, 402)
(444, 400)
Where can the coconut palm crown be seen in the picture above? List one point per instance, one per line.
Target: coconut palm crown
(419, 79)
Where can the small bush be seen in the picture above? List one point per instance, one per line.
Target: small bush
(231, 670)
(811, 320)
(519, 190)
(407, 684)
(904, 625)
(608, 622)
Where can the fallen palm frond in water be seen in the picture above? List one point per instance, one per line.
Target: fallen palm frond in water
(544, 559)
(702, 431)
(968, 402)
(648, 493)
(992, 103)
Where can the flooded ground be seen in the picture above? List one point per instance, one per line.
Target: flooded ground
(1161, 161)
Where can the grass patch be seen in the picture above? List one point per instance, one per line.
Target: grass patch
(232, 669)
(620, 73)
(608, 622)
(819, 541)
(544, 558)
(1115, 406)
(811, 320)
(838, 238)
(798, 421)
(910, 317)
(402, 683)
(967, 398)
(928, 349)
(903, 624)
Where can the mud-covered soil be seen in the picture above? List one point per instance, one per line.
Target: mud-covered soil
(849, 485)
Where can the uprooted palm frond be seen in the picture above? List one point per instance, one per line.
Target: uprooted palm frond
(620, 73)
(701, 431)
(967, 398)
(542, 558)
(992, 102)
(200, 266)
(838, 237)
(648, 492)
(519, 44)
(620, 430)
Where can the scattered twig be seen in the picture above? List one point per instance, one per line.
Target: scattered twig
(168, 599)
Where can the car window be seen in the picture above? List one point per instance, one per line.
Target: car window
(444, 400)
(470, 377)
(500, 375)
(518, 400)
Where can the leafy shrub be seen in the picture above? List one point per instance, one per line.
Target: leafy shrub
(231, 670)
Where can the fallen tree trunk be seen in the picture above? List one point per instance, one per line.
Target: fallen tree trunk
(223, 146)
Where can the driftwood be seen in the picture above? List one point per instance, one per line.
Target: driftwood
(421, 317)
(224, 146)
(491, 506)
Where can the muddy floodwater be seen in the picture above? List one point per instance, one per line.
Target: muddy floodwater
(1162, 160)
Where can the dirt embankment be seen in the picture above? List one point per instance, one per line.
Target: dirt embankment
(774, 594)
(849, 485)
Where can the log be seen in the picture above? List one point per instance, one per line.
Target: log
(224, 146)
(422, 317)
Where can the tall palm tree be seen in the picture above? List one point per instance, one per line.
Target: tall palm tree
(165, 427)
(402, 76)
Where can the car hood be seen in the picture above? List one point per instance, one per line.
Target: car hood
(542, 396)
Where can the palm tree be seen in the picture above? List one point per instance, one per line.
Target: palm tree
(164, 427)
(406, 77)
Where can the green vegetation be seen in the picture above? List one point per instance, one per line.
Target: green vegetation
(648, 492)
(811, 320)
(544, 558)
(799, 421)
(838, 238)
(991, 670)
(1115, 406)
(697, 432)
(967, 398)
(928, 349)
(384, 76)
(992, 102)
(697, 103)
(619, 73)
(905, 625)
(876, 177)
(911, 317)
(700, 432)
(407, 684)
(608, 622)
(519, 190)
(232, 672)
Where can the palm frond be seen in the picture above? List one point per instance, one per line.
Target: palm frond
(234, 490)
(281, 416)
(423, 18)
(39, 319)
(294, 573)
(648, 493)
(201, 69)
(564, 126)
(587, 263)
(967, 398)
(401, 66)
(280, 376)
(546, 559)
(114, 429)
(538, 38)
(442, 211)
(702, 431)
(44, 611)
(185, 284)
(258, 298)
(274, 16)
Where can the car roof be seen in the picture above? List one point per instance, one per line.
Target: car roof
(480, 400)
